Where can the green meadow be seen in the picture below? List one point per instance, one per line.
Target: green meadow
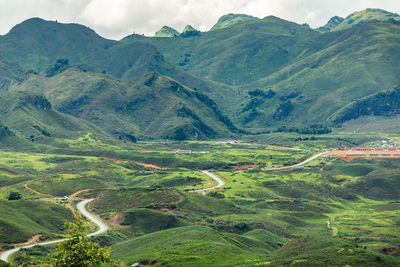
(258, 218)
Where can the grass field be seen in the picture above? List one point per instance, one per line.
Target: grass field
(258, 218)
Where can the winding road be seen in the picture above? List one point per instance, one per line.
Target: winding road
(103, 227)
(298, 164)
(222, 183)
(214, 177)
(82, 209)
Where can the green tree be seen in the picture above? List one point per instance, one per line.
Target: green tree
(78, 250)
(14, 196)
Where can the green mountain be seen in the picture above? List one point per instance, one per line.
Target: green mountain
(153, 106)
(311, 76)
(231, 19)
(338, 69)
(331, 25)
(337, 23)
(166, 31)
(35, 44)
(239, 54)
(264, 74)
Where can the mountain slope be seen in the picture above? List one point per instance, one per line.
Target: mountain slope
(338, 69)
(30, 116)
(239, 54)
(36, 44)
(153, 106)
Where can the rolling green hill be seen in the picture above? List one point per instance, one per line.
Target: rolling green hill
(21, 219)
(193, 245)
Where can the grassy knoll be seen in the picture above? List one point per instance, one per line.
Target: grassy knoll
(194, 245)
(22, 219)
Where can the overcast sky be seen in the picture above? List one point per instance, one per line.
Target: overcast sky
(117, 18)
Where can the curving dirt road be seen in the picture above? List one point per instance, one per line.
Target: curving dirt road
(82, 209)
(213, 176)
(298, 164)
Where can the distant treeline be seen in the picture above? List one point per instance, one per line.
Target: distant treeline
(312, 129)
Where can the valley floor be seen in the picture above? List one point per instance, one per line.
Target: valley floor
(256, 205)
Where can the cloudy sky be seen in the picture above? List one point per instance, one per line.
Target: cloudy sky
(117, 18)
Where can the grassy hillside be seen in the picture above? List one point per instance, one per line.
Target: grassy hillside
(258, 217)
(340, 68)
(38, 45)
(238, 54)
(153, 106)
(194, 245)
(30, 116)
(310, 77)
(21, 219)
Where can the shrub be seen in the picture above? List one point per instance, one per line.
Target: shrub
(14, 196)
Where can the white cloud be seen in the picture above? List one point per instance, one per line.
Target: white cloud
(117, 18)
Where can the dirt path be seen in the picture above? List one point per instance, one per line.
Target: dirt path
(334, 231)
(82, 209)
(80, 192)
(75, 194)
(151, 166)
(37, 192)
(31, 240)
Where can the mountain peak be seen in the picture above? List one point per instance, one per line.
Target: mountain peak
(369, 14)
(189, 28)
(189, 31)
(166, 31)
(35, 25)
(231, 19)
(332, 24)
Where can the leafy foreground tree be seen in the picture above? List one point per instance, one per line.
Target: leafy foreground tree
(78, 250)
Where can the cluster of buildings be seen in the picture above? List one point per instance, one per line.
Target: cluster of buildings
(183, 151)
(375, 148)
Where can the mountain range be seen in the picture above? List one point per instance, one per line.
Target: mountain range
(244, 75)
